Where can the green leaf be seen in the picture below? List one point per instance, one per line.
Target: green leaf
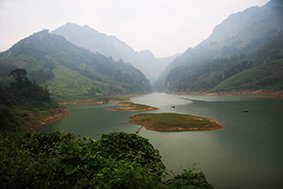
(70, 169)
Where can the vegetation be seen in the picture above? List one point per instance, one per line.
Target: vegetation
(268, 76)
(174, 122)
(111, 46)
(69, 71)
(57, 160)
(20, 99)
(132, 107)
(243, 53)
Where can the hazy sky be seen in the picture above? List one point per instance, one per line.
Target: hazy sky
(165, 27)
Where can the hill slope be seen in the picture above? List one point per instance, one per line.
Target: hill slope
(248, 40)
(89, 38)
(71, 71)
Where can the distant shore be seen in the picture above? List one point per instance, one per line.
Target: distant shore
(94, 101)
(260, 93)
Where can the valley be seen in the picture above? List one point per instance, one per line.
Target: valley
(80, 108)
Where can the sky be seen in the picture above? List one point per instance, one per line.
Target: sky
(165, 27)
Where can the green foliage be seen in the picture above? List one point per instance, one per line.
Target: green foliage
(69, 71)
(21, 97)
(268, 76)
(189, 179)
(57, 160)
(23, 92)
(173, 122)
(8, 119)
(131, 147)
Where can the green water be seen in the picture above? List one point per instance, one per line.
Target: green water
(246, 154)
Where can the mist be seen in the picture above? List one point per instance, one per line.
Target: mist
(164, 27)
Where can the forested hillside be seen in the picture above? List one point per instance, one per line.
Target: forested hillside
(23, 101)
(244, 52)
(69, 71)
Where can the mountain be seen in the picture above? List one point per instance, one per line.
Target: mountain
(70, 71)
(89, 38)
(244, 52)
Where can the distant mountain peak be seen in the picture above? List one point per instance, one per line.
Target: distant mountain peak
(57, 63)
(239, 54)
(147, 53)
(111, 46)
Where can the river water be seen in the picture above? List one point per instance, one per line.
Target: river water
(246, 154)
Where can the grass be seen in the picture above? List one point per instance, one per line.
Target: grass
(174, 122)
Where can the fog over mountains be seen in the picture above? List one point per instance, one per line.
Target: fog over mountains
(111, 46)
(244, 52)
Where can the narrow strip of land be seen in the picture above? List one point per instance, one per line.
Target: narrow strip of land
(174, 122)
(40, 118)
(132, 107)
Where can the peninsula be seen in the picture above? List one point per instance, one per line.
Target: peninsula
(174, 122)
(132, 107)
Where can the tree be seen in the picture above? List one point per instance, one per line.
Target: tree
(19, 74)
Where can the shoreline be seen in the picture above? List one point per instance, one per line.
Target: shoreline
(46, 117)
(258, 93)
(98, 100)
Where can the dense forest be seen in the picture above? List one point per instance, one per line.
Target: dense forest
(20, 99)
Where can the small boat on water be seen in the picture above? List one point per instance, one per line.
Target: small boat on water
(245, 110)
(173, 106)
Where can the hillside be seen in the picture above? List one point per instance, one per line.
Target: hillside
(246, 46)
(69, 71)
(108, 45)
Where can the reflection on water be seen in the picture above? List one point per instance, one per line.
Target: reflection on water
(247, 153)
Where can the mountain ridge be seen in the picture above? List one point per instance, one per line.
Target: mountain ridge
(242, 41)
(109, 45)
(70, 71)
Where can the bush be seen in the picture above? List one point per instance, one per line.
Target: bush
(56, 160)
(189, 179)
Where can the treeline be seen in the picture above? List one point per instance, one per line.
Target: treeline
(20, 97)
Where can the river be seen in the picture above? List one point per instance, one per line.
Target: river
(246, 154)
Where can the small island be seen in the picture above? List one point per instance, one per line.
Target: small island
(174, 122)
(132, 107)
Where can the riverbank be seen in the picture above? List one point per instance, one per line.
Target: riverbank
(174, 122)
(259, 93)
(37, 119)
(92, 101)
(132, 107)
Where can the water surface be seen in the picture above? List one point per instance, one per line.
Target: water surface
(246, 154)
